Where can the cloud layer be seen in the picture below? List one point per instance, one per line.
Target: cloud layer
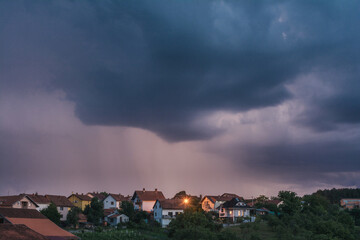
(265, 85)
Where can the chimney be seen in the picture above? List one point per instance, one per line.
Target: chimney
(143, 189)
(155, 189)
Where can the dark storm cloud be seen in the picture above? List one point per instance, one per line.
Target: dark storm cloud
(159, 65)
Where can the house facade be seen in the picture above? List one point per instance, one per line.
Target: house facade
(113, 218)
(80, 200)
(17, 201)
(63, 205)
(113, 201)
(167, 209)
(145, 200)
(234, 209)
(350, 203)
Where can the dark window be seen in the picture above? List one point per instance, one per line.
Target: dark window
(170, 214)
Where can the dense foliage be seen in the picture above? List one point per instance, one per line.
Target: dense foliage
(197, 225)
(312, 218)
(95, 211)
(335, 195)
(72, 219)
(52, 213)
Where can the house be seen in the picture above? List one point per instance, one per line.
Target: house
(80, 200)
(145, 200)
(34, 220)
(113, 217)
(99, 196)
(40, 200)
(234, 209)
(350, 203)
(212, 203)
(62, 204)
(166, 210)
(19, 232)
(113, 201)
(17, 201)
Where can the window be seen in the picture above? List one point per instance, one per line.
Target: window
(61, 208)
(112, 203)
(170, 214)
(155, 214)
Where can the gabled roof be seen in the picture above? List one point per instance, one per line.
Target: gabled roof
(82, 197)
(39, 199)
(172, 204)
(148, 195)
(107, 212)
(234, 203)
(59, 201)
(98, 195)
(8, 201)
(222, 198)
(35, 221)
(118, 197)
(19, 232)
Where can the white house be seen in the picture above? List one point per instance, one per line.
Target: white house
(145, 200)
(113, 201)
(114, 218)
(62, 203)
(234, 209)
(167, 209)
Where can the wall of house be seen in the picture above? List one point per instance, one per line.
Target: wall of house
(207, 205)
(110, 202)
(76, 201)
(229, 213)
(157, 212)
(137, 203)
(147, 205)
(19, 204)
(42, 206)
(64, 212)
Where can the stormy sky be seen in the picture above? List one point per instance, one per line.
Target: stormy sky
(250, 97)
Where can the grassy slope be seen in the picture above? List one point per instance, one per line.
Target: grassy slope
(123, 235)
(260, 230)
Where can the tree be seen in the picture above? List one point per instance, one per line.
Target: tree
(72, 218)
(94, 211)
(52, 213)
(127, 208)
(291, 202)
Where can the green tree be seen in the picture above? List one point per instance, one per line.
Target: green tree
(94, 211)
(72, 219)
(52, 213)
(291, 202)
(127, 208)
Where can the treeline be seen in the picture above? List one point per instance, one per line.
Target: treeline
(335, 195)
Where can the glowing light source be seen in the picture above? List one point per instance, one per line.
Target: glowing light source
(186, 200)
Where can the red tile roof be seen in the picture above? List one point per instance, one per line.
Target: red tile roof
(99, 196)
(19, 232)
(8, 201)
(223, 198)
(118, 197)
(39, 199)
(172, 204)
(60, 201)
(35, 221)
(149, 195)
(20, 213)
